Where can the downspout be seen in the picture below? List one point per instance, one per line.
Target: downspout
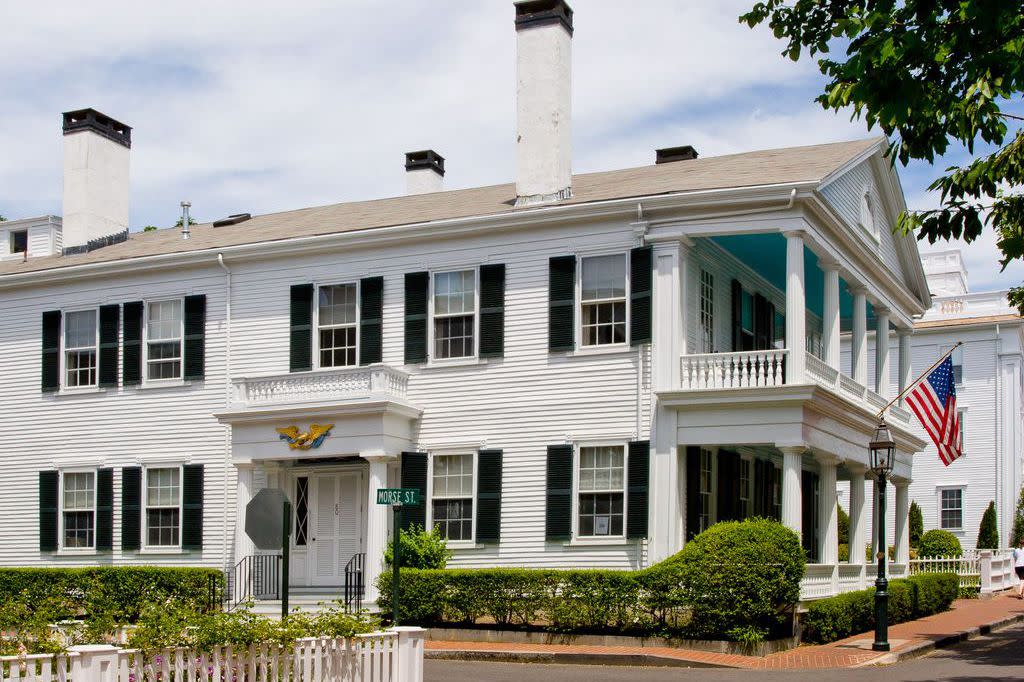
(227, 403)
(999, 436)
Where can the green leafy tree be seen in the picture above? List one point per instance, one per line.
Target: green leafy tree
(152, 228)
(420, 549)
(939, 543)
(916, 525)
(1017, 534)
(930, 74)
(988, 531)
(3, 219)
(181, 221)
(844, 525)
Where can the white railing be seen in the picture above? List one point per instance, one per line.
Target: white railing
(822, 374)
(395, 655)
(984, 570)
(750, 369)
(828, 580)
(337, 384)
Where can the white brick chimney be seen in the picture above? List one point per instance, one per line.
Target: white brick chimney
(96, 155)
(424, 172)
(543, 101)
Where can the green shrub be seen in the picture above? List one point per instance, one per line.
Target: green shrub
(1017, 533)
(916, 522)
(827, 620)
(420, 548)
(988, 531)
(844, 525)
(939, 543)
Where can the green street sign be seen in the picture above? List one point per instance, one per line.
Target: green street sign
(395, 496)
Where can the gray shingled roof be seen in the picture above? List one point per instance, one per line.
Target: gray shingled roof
(775, 166)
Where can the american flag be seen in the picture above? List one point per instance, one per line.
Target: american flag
(933, 400)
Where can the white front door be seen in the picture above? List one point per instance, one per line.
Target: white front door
(336, 525)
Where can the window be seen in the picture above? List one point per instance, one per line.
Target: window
(603, 300)
(163, 507)
(706, 463)
(745, 485)
(951, 508)
(867, 218)
(958, 365)
(452, 496)
(163, 340)
(301, 511)
(962, 416)
(19, 241)
(337, 320)
(707, 312)
(78, 510)
(776, 493)
(80, 348)
(454, 314)
(601, 488)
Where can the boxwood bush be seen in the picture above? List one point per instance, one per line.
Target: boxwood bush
(828, 620)
(939, 543)
(737, 580)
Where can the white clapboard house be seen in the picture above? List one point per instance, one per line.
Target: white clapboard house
(989, 384)
(574, 370)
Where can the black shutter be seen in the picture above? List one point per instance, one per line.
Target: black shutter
(104, 510)
(558, 510)
(192, 506)
(637, 480)
(492, 310)
(51, 354)
(110, 320)
(371, 320)
(809, 520)
(724, 501)
(640, 280)
(300, 352)
(417, 285)
(414, 475)
(488, 496)
(131, 508)
(49, 490)
(561, 303)
(737, 316)
(195, 337)
(762, 326)
(692, 492)
(131, 354)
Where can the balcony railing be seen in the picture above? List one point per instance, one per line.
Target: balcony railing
(750, 369)
(350, 383)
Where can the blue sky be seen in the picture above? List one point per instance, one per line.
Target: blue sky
(257, 106)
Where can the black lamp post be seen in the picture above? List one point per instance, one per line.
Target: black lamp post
(883, 450)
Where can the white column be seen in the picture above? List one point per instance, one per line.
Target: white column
(882, 352)
(858, 517)
(858, 343)
(828, 515)
(376, 523)
(905, 369)
(244, 492)
(796, 308)
(902, 535)
(792, 497)
(830, 321)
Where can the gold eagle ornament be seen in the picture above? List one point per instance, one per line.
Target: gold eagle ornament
(305, 441)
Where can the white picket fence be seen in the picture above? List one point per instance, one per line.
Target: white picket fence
(394, 655)
(985, 570)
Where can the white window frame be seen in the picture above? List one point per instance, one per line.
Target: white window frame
(10, 241)
(938, 506)
(294, 497)
(145, 342)
(961, 412)
(748, 461)
(706, 323)
(64, 385)
(146, 547)
(316, 324)
(578, 332)
(576, 492)
(475, 454)
(712, 493)
(867, 199)
(462, 359)
(61, 510)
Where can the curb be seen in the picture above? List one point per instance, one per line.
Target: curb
(569, 658)
(918, 650)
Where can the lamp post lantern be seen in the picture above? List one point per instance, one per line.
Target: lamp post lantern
(883, 451)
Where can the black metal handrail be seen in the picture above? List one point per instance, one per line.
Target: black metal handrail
(257, 576)
(354, 586)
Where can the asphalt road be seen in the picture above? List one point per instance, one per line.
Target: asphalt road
(996, 658)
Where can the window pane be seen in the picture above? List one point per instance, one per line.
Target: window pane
(454, 518)
(164, 320)
(604, 277)
(78, 490)
(600, 514)
(454, 292)
(338, 347)
(453, 476)
(80, 329)
(604, 323)
(163, 487)
(337, 305)
(80, 366)
(601, 468)
(162, 527)
(19, 241)
(453, 337)
(79, 529)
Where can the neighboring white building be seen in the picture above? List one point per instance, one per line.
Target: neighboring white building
(573, 375)
(989, 388)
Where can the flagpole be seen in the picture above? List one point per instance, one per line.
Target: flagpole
(920, 376)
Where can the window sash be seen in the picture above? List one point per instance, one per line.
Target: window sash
(443, 475)
(78, 513)
(600, 483)
(614, 471)
(951, 508)
(707, 311)
(81, 348)
(453, 327)
(604, 310)
(164, 339)
(19, 241)
(342, 350)
(162, 515)
(453, 495)
(706, 489)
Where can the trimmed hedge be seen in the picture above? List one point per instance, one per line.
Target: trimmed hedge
(116, 592)
(939, 543)
(737, 580)
(828, 620)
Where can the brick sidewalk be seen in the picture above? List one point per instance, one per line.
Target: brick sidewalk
(907, 639)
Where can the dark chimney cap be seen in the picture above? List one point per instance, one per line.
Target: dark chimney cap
(670, 154)
(426, 158)
(101, 124)
(540, 12)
